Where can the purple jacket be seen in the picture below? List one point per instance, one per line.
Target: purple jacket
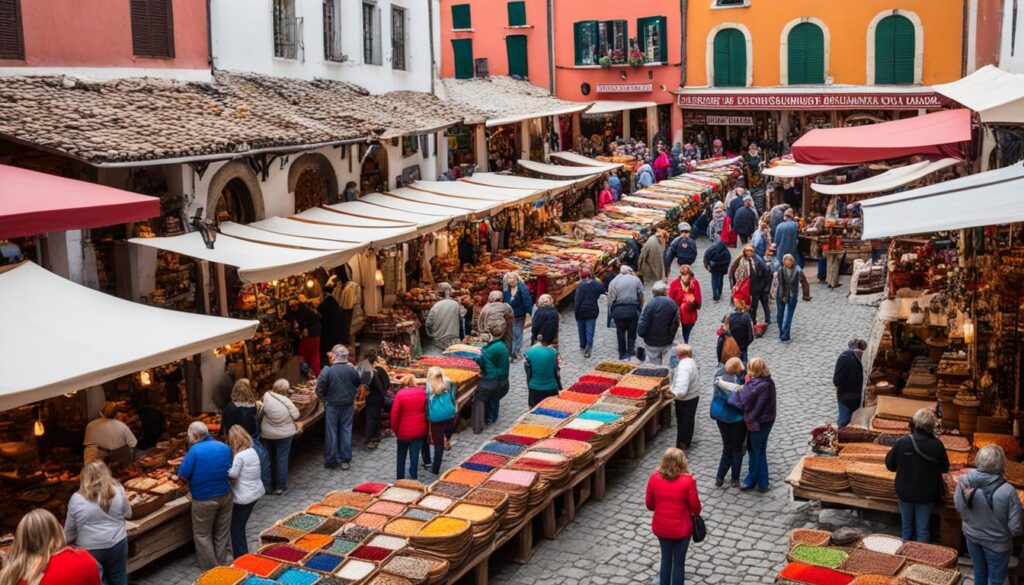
(757, 399)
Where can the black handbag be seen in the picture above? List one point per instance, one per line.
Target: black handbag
(700, 531)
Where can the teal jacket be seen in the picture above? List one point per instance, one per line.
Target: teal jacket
(493, 361)
(541, 369)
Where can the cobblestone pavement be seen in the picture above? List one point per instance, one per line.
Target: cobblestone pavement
(610, 542)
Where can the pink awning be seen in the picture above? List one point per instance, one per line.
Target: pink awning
(36, 203)
(937, 135)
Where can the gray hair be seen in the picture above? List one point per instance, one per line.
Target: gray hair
(659, 288)
(197, 431)
(625, 269)
(545, 300)
(510, 278)
(339, 354)
(495, 297)
(281, 386)
(444, 289)
(683, 350)
(991, 459)
(924, 421)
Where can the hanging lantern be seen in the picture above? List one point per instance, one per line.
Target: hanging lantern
(39, 429)
(378, 277)
(145, 378)
(968, 331)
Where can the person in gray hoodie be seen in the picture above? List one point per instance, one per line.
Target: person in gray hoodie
(444, 319)
(991, 515)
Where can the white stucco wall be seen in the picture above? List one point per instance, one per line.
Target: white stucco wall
(1012, 61)
(242, 33)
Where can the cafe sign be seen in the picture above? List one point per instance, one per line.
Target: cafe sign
(812, 101)
(729, 120)
(624, 87)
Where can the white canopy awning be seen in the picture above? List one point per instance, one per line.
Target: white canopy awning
(475, 206)
(256, 262)
(364, 210)
(990, 198)
(583, 161)
(560, 170)
(388, 201)
(562, 111)
(997, 95)
(313, 230)
(261, 236)
(611, 106)
(797, 170)
(472, 192)
(887, 181)
(60, 337)
(517, 182)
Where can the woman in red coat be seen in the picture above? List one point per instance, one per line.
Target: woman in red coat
(40, 555)
(672, 496)
(409, 423)
(685, 291)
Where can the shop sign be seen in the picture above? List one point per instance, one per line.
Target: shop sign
(812, 101)
(624, 87)
(730, 120)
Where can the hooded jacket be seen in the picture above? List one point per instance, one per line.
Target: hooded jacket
(717, 258)
(659, 322)
(744, 221)
(994, 525)
(848, 377)
(586, 299)
(683, 250)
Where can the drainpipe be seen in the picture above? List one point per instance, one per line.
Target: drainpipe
(965, 36)
(551, 45)
(209, 36)
(682, 42)
(433, 62)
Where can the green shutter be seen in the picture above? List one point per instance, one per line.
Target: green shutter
(894, 50)
(662, 23)
(806, 54)
(643, 36)
(463, 50)
(517, 63)
(461, 17)
(730, 58)
(517, 13)
(585, 40)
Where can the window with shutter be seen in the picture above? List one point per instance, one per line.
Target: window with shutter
(517, 61)
(730, 58)
(152, 28)
(585, 39)
(11, 42)
(463, 51)
(398, 38)
(332, 31)
(461, 17)
(894, 50)
(517, 13)
(806, 62)
(651, 38)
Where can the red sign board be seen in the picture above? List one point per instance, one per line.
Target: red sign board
(811, 101)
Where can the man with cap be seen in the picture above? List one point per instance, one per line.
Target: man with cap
(659, 322)
(849, 380)
(745, 220)
(337, 386)
(787, 238)
(625, 298)
(683, 249)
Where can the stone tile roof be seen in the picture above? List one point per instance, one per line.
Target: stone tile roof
(499, 97)
(152, 119)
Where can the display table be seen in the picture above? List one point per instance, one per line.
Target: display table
(159, 533)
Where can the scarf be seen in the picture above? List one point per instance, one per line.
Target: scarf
(788, 281)
(744, 269)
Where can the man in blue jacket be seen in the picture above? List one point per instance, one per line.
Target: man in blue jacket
(587, 309)
(659, 322)
(517, 295)
(848, 379)
(787, 238)
(337, 386)
(717, 259)
(205, 468)
(683, 249)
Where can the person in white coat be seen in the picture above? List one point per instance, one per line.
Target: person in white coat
(246, 486)
(686, 390)
(276, 430)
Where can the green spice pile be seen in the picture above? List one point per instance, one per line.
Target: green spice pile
(821, 556)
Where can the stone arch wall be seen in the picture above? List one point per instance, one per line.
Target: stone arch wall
(319, 162)
(236, 169)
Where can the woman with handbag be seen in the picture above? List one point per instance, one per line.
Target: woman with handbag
(276, 432)
(685, 291)
(672, 496)
(441, 409)
(919, 460)
(728, 379)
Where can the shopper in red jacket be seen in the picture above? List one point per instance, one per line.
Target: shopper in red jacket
(40, 555)
(409, 423)
(672, 496)
(685, 291)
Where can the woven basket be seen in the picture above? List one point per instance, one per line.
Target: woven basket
(809, 536)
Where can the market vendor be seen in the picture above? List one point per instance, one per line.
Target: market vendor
(109, 439)
(444, 321)
(307, 323)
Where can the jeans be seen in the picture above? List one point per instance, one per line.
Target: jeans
(846, 411)
(493, 405)
(279, 450)
(716, 285)
(586, 330)
(338, 434)
(686, 411)
(766, 303)
(411, 449)
(517, 334)
(673, 560)
(822, 265)
(733, 435)
(785, 316)
(915, 520)
(989, 566)
(371, 418)
(439, 431)
(625, 334)
(757, 457)
(113, 563)
(239, 518)
(686, 332)
(656, 354)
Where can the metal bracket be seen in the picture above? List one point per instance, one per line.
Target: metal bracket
(199, 167)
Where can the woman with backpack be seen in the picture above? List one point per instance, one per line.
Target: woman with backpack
(442, 401)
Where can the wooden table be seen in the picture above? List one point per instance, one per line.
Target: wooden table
(159, 533)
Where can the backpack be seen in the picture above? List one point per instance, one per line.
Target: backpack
(441, 407)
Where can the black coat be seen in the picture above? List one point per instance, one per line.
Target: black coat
(848, 377)
(545, 322)
(733, 207)
(659, 322)
(586, 299)
(717, 258)
(744, 221)
(760, 279)
(330, 323)
(918, 481)
(233, 414)
(741, 328)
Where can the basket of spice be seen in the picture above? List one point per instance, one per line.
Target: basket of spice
(580, 453)
(517, 500)
(615, 367)
(930, 554)
(497, 501)
(445, 537)
(283, 552)
(222, 576)
(876, 580)
(808, 573)
(302, 521)
(381, 578)
(355, 570)
(923, 574)
(862, 561)
(821, 556)
(483, 520)
(256, 565)
(278, 533)
(882, 543)
(809, 536)
(296, 576)
(555, 468)
(415, 569)
(347, 499)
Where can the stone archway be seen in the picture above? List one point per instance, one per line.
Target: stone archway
(373, 175)
(235, 191)
(312, 180)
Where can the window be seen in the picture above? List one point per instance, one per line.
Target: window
(732, 2)
(601, 38)
(517, 63)
(11, 43)
(894, 50)
(463, 51)
(481, 67)
(517, 13)
(332, 31)
(651, 38)
(152, 27)
(461, 18)
(287, 30)
(371, 34)
(806, 46)
(398, 38)
(730, 58)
